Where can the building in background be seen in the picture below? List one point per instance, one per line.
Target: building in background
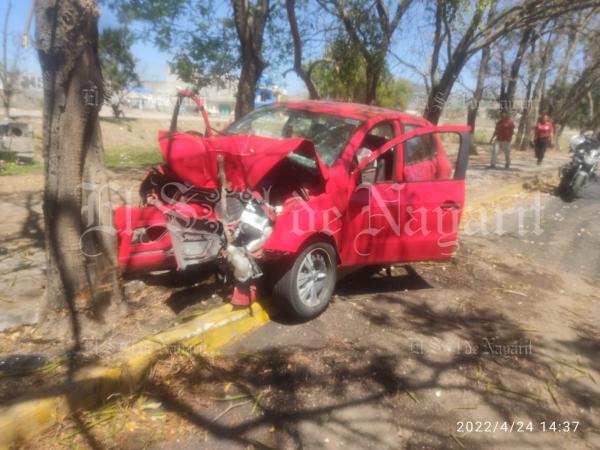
(160, 96)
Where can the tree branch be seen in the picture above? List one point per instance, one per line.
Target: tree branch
(290, 6)
(420, 72)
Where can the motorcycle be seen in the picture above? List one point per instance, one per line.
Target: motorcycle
(575, 174)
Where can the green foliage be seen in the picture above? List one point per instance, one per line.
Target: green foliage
(365, 21)
(207, 54)
(344, 79)
(117, 61)
(201, 36)
(393, 92)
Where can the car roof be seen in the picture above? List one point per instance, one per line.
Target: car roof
(349, 110)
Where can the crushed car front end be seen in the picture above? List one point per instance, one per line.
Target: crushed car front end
(224, 202)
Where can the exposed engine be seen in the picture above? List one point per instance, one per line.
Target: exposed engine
(215, 237)
(225, 226)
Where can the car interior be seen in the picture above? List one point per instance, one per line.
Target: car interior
(382, 169)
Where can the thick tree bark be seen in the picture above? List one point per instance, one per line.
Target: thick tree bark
(83, 285)
(457, 58)
(247, 85)
(290, 6)
(440, 92)
(373, 76)
(250, 23)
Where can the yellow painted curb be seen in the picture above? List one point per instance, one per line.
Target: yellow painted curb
(33, 413)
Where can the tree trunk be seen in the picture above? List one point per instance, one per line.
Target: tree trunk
(83, 285)
(572, 42)
(538, 89)
(247, 88)
(440, 92)
(591, 112)
(5, 74)
(533, 110)
(511, 89)
(521, 140)
(474, 105)
(250, 20)
(373, 73)
(290, 6)
(6, 105)
(440, 89)
(435, 103)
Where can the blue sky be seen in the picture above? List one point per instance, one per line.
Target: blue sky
(413, 37)
(152, 63)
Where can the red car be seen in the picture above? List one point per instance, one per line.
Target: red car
(293, 191)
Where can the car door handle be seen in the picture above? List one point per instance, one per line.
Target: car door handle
(449, 204)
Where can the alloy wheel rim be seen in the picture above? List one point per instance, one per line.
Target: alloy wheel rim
(312, 279)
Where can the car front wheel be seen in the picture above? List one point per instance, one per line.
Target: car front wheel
(307, 286)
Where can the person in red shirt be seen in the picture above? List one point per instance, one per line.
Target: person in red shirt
(503, 133)
(542, 137)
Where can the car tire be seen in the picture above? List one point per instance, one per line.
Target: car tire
(307, 285)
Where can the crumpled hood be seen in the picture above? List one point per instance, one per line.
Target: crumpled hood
(247, 159)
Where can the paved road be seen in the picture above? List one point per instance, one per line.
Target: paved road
(400, 362)
(567, 236)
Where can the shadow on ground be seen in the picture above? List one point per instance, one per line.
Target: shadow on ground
(384, 392)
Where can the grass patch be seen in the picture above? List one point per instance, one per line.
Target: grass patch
(115, 157)
(12, 168)
(481, 138)
(132, 156)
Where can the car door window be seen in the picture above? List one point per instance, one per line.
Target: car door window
(422, 159)
(380, 170)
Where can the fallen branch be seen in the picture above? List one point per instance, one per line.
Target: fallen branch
(226, 411)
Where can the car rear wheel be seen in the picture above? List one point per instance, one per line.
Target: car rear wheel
(307, 286)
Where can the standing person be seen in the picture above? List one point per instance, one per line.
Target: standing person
(542, 136)
(503, 133)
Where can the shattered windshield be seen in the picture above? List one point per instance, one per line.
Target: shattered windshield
(329, 133)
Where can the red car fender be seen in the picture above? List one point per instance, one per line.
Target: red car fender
(301, 220)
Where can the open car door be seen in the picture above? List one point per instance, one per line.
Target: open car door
(416, 216)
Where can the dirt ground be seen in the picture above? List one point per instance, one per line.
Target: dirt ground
(21, 231)
(395, 362)
(484, 352)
